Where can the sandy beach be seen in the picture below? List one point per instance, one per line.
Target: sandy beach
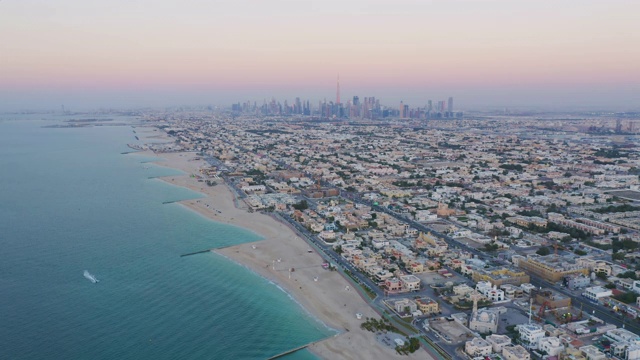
(325, 294)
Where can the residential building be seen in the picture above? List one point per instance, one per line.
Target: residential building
(622, 335)
(393, 285)
(592, 353)
(410, 282)
(577, 281)
(427, 305)
(498, 342)
(477, 347)
(511, 291)
(405, 305)
(462, 289)
(530, 335)
(595, 293)
(552, 346)
(515, 352)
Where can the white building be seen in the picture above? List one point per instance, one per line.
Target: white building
(410, 282)
(495, 294)
(483, 287)
(477, 347)
(527, 288)
(551, 345)
(530, 335)
(405, 304)
(498, 342)
(253, 188)
(491, 292)
(595, 293)
(592, 353)
(632, 352)
(622, 335)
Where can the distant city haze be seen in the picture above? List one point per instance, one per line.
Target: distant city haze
(558, 55)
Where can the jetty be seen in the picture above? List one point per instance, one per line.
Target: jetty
(294, 350)
(207, 250)
(197, 252)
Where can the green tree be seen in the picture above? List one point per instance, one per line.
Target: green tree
(543, 251)
(602, 275)
(302, 205)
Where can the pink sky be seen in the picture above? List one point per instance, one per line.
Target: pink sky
(253, 47)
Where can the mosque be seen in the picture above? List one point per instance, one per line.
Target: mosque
(484, 320)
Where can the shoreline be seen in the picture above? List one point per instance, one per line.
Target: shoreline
(318, 291)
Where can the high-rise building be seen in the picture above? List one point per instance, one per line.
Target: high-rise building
(356, 101)
(402, 114)
(450, 106)
(338, 91)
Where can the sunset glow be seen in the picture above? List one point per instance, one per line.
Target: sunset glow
(287, 48)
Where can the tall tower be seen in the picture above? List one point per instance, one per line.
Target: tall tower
(475, 296)
(450, 106)
(338, 91)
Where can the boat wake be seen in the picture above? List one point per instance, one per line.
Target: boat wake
(90, 277)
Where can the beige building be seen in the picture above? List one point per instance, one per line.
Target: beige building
(515, 352)
(552, 268)
(427, 305)
(502, 275)
(592, 353)
(477, 347)
(462, 289)
(410, 282)
(431, 244)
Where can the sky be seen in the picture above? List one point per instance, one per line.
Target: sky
(556, 54)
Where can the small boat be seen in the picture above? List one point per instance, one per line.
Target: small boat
(90, 277)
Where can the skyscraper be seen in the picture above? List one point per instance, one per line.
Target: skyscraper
(450, 106)
(338, 91)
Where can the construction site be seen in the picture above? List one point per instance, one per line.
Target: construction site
(551, 307)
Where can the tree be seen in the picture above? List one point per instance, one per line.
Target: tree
(618, 256)
(602, 275)
(302, 205)
(543, 251)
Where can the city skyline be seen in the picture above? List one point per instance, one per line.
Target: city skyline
(578, 54)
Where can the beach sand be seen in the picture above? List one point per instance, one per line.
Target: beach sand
(328, 298)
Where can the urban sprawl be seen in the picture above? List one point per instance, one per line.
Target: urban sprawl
(489, 236)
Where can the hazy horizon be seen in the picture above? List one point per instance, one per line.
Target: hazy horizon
(484, 53)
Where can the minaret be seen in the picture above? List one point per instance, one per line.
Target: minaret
(475, 302)
(338, 91)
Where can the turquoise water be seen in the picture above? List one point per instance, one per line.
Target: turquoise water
(70, 201)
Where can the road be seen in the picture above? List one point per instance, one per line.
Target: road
(589, 307)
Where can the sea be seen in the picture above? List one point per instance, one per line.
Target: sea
(76, 199)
